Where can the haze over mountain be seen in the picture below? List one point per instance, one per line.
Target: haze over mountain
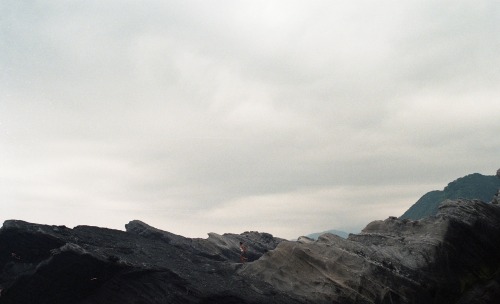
(316, 235)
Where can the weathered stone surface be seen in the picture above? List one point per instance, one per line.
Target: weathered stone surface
(224, 247)
(435, 260)
(452, 257)
(51, 264)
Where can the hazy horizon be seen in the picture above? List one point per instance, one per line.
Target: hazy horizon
(285, 117)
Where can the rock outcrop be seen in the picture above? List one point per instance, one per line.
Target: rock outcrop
(440, 259)
(452, 257)
(54, 264)
(496, 198)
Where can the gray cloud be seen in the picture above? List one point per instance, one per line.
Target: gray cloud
(197, 117)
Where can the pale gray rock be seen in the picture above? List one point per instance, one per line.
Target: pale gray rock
(496, 198)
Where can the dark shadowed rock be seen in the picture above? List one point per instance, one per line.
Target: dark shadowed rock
(224, 247)
(51, 264)
(449, 258)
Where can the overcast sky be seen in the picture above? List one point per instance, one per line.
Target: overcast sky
(288, 117)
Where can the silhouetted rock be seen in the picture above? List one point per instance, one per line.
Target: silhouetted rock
(452, 257)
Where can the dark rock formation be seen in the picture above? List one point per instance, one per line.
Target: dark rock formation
(452, 257)
(472, 186)
(217, 247)
(53, 264)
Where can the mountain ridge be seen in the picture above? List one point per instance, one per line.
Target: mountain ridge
(340, 233)
(471, 186)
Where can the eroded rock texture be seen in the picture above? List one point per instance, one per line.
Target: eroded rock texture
(453, 257)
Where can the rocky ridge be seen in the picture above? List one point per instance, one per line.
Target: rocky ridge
(452, 257)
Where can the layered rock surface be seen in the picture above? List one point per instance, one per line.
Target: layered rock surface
(436, 260)
(453, 257)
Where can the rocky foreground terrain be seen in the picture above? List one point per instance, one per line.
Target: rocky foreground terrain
(453, 257)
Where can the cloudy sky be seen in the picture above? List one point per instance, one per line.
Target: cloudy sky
(288, 117)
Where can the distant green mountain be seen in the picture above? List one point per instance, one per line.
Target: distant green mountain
(473, 186)
(316, 235)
